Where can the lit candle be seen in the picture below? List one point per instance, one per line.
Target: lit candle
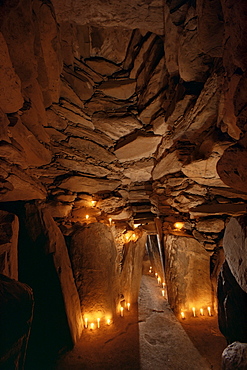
(92, 326)
(209, 311)
(93, 202)
(194, 311)
(156, 274)
(150, 271)
(159, 280)
(128, 306)
(150, 267)
(201, 311)
(110, 220)
(108, 321)
(163, 285)
(182, 315)
(98, 323)
(121, 311)
(87, 217)
(163, 292)
(86, 322)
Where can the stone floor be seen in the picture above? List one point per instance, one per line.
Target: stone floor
(148, 337)
(163, 342)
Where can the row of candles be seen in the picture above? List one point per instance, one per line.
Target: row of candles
(93, 325)
(194, 312)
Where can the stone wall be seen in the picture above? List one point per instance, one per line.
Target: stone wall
(232, 288)
(187, 274)
(93, 255)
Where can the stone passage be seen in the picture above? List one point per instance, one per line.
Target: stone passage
(163, 344)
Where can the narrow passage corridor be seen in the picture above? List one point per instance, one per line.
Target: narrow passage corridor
(147, 338)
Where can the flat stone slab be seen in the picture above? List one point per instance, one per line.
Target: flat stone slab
(163, 342)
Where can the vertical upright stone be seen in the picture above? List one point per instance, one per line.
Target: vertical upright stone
(187, 270)
(9, 229)
(93, 256)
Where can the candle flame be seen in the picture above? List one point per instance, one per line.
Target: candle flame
(110, 220)
(121, 311)
(182, 315)
(86, 322)
(93, 202)
(163, 285)
(209, 311)
(98, 322)
(92, 326)
(128, 306)
(194, 311)
(201, 311)
(179, 225)
(87, 217)
(163, 292)
(108, 321)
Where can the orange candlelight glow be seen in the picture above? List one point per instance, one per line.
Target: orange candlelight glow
(163, 285)
(86, 322)
(92, 326)
(98, 323)
(121, 311)
(201, 312)
(87, 217)
(108, 321)
(163, 292)
(182, 315)
(156, 274)
(194, 311)
(93, 202)
(179, 225)
(128, 306)
(159, 280)
(110, 220)
(209, 311)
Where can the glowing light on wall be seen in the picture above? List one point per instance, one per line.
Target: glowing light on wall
(179, 225)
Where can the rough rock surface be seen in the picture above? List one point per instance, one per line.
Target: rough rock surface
(235, 244)
(235, 356)
(9, 230)
(40, 223)
(93, 261)
(232, 304)
(187, 266)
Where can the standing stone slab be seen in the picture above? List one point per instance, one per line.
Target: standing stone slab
(235, 248)
(187, 270)
(93, 256)
(43, 227)
(9, 229)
